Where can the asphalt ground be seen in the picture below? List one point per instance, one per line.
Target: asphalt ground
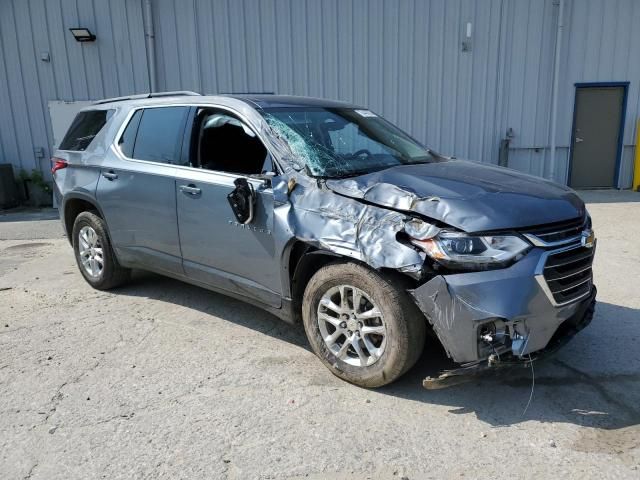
(160, 379)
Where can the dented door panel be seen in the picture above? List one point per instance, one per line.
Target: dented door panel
(216, 248)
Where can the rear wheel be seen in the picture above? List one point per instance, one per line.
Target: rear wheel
(94, 255)
(362, 327)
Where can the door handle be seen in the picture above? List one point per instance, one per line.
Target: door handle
(190, 189)
(579, 140)
(110, 175)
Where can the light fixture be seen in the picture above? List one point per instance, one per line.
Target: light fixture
(466, 43)
(82, 34)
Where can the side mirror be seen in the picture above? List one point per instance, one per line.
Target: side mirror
(242, 200)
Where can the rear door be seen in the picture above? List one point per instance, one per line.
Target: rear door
(216, 248)
(136, 190)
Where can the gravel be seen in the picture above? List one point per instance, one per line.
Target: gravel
(160, 379)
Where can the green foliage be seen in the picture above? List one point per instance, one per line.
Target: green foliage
(36, 178)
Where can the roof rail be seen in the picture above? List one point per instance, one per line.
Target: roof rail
(177, 93)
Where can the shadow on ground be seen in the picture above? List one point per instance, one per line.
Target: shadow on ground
(566, 389)
(28, 214)
(157, 287)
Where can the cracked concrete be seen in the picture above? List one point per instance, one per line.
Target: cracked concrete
(165, 380)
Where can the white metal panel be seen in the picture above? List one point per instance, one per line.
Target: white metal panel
(61, 115)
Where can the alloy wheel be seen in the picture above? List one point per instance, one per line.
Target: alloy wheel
(352, 325)
(90, 250)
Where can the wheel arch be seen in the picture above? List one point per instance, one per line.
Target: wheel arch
(73, 205)
(303, 261)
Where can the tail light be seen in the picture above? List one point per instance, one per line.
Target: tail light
(58, 164)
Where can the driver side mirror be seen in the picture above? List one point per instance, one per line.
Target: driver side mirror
(242, 200)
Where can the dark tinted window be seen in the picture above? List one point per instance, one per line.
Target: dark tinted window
(84, 128)
(159, 136)
(228, 145)
(128, 139)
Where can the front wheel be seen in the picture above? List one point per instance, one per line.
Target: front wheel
(362, 327)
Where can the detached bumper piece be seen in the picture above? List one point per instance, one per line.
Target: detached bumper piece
(567, 329)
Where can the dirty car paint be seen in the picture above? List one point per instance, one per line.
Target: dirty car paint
(466, 195)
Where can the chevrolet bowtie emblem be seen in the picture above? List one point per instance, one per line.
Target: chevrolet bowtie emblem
(588, 239)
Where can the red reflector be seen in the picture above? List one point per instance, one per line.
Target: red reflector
(58, 164)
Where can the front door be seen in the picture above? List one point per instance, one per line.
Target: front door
(596, 135)
(217, 249)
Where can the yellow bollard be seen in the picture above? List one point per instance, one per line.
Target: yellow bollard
(636, 163)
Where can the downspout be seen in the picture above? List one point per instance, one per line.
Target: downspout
(554, 92)
(149, 35)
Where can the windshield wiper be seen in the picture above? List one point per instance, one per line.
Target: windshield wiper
(357, 173)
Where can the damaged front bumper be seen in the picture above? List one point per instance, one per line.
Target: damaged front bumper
(499, 317)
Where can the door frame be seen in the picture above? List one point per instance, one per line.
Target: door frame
(623, 115)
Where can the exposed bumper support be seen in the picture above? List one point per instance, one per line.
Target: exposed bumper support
(565, 332)
(509, 304)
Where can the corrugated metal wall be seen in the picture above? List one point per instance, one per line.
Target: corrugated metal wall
(114, 65)
(599, 45)
(401, 58)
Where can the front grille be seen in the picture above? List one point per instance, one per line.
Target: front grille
(568, 274)
(560, 232)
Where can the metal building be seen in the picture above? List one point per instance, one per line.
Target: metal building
(550, 87)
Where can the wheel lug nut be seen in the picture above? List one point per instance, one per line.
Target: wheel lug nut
(343, 324)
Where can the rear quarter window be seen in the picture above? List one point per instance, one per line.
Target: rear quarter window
(84, 129)
(128, 139)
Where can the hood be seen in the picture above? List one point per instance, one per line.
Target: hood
(470, 196)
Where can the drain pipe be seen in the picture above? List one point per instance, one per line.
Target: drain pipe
(149, 35)
(554, 94)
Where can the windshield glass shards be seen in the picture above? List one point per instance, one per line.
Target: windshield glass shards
(342, 142)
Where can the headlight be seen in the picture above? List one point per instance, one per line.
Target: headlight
(471, 251)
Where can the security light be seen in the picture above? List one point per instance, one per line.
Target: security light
(82, 34)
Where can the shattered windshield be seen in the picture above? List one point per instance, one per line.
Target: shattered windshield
(342, 142)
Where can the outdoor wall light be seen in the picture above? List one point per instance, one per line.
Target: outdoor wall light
(466, 42)
(82, 34)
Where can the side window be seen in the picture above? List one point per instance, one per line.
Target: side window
(128, 139)
(226, 144)
(159, 134)
(84, 128)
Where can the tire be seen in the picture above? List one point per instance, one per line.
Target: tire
(403, 323)
(111, 274)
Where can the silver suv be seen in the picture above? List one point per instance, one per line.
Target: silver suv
(325, 213)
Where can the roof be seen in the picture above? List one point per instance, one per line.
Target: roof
(257, 101)
(279, 101)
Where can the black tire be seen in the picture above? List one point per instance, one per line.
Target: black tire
(405, 325)
(112, 274)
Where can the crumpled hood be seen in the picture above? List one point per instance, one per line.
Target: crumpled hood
(467, 195)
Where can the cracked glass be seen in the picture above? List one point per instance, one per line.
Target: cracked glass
(343, 142)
